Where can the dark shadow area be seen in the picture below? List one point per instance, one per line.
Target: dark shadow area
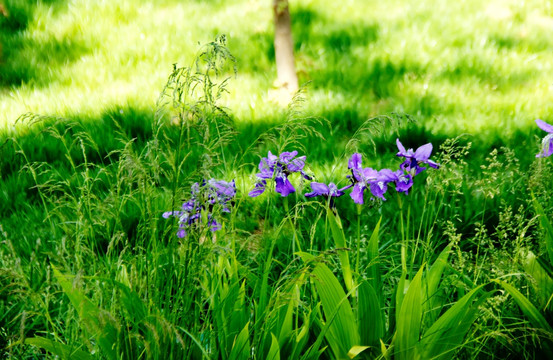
(24, 59)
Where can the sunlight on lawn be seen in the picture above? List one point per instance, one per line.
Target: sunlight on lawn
(464, 67)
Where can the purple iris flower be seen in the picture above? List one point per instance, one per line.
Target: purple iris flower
(204, 197)
(279, 168)
(404, 181)
(413, 159)
(547, 142)
(363, 178)
(330, 190)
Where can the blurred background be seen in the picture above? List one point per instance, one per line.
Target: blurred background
(477, 67)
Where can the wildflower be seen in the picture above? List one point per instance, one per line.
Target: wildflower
(279, 168)
(413, 159)
(547, 142)
(204, 197)
(330, 190)
(404, 181)
(363, 178)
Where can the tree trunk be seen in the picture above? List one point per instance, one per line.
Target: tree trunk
(284, 47)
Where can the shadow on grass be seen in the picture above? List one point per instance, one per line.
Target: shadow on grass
(25, 59)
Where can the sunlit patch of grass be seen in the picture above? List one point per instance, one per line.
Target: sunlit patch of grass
(435, 60)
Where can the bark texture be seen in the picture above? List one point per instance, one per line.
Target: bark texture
(284, 47)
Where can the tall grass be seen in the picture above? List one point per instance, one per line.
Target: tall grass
(459, 268)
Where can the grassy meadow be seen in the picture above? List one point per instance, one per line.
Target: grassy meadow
(113, 113)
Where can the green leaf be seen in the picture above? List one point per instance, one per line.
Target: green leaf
(543, 284)
(372, 252)
(536, 318)
(241, 345)
(341, 245)
(448, 332)
(61, 350)
(342, 332)
(274, 350)
(356, 350)
(409, 320)
(370, 316)
(97, 323)
(434, 302)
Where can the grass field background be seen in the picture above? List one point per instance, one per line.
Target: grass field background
(91, 156)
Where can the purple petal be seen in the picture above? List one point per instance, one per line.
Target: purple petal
(345, 188)
(433, 164)
(357, 194)
(355, 161)
(283, 185)
(271, 159)
(318, 189)
(379, 188)
(189, 205)
(168, 214)
(387, 175)
(401, 148)
(370, 174)
(547, 149)
(214, 225)
(223, 188)
(296, 164)
(544, 126)
(285, 157)
(266, 168)
(181, 233)
(403, 182)
(334, 191)
(423, 152)
(258, 189)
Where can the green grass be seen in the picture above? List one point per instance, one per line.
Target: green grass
(87, 261)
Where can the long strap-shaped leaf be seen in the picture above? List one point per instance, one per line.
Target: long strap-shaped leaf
(533, 314)
(341, 245)
(409, 320)
(448, 332)
(342, 333)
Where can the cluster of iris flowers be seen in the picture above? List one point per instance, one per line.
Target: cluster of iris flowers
(212, 193)
(376, 181)
(204, 198)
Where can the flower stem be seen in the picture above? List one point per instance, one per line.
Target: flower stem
(295, 241)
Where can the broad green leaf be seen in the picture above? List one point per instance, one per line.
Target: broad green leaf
(449, 331)
(370, 316)
(60, 350)
(536, 318)
(97, 323)
(356, 350)
(409, 320)
(543, 284)
(340, 328)
(274, 350)
(341, 244)
(241, 345)
(433, 301)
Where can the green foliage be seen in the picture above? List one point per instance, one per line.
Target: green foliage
(85, 189)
